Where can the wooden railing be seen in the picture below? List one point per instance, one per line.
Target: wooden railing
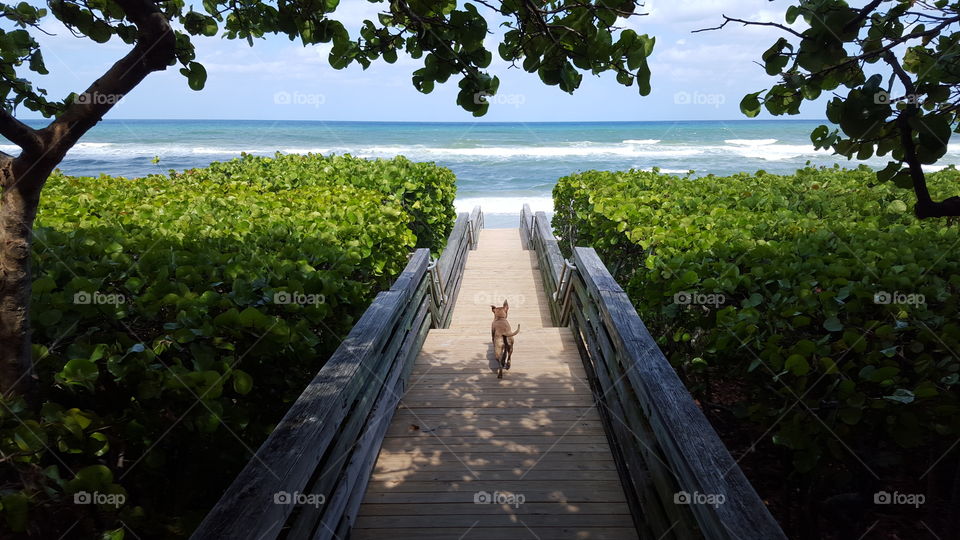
(448, 270)
(308, 478)
(680, 479)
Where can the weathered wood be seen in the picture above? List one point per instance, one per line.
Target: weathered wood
(450, 266)
(460, 430)
(691, 447)
(342, 505)
(295, 451)
(462, 240)
(661, 441)
(494, 533)
(526, 227)
(476, 224)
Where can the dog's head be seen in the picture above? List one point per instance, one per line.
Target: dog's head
(500, 312)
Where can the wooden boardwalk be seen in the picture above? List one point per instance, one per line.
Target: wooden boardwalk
(470, 456)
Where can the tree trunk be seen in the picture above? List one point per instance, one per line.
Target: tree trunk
(23, 177)
(18, 209)
(926, 207)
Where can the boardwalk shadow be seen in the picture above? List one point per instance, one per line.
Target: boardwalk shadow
(466, 449)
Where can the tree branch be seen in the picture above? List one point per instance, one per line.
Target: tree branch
(726, 20)
(862, 16)
(154, 51)
(19, 133)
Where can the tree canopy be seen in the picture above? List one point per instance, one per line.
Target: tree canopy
(556, 40)
(897, 60)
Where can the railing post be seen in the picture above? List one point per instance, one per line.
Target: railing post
(562, 295)
(437, 295)
(475, 224)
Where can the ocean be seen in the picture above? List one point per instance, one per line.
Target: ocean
(498, 165)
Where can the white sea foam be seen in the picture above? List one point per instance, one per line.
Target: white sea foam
(763, 149)
(750, 142)
(641, 141)
(769, 152)
(532, 152)
(504, 205)
(582, 151)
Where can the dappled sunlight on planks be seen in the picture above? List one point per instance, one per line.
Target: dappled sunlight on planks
(469, 455)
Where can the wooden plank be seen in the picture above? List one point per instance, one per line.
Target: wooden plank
(526, 227)
(633, 472)
(691, 446)
(327, 478)
(589, 493)
(555, 443)
(471, 485)
(460, 428)
(452, 250)
(287, 459)
(494, 533)
(512, 459)
(493, 520)
(528, 508)
(556, 413)
(345, 500)
(476, 223)
(451, 264)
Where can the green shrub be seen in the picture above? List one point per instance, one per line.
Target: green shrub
(814, 286)
(424, 190)
(177, 317)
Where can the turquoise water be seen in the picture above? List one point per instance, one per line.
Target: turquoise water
(498, 165)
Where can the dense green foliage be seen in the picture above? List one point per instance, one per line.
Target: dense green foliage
(176, 318)
(897, 63)
(812, 287)
(424, 191)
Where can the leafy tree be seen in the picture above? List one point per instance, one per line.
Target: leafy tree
(558, 40)
(897, 58)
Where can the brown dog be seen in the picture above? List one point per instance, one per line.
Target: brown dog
(502, 338)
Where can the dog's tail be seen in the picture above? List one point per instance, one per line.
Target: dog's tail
(517, 331)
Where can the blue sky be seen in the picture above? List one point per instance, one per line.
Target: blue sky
(699, 76)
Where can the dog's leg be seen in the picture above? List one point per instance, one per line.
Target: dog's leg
(509, 355)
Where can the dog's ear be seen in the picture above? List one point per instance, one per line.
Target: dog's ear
(493, 308)
(506, 306)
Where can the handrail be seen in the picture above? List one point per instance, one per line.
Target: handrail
(680, 479)
(526, 226)
(463, 238)
(308, 478)
(476, 223)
